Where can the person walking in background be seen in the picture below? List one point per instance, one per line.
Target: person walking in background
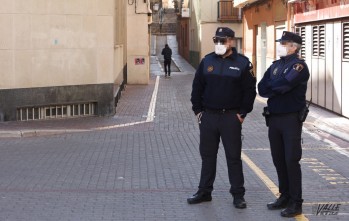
(224, 90)
(167, 53)
(285, 86)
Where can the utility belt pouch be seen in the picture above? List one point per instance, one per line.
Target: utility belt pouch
(266, 115)
(302, 114)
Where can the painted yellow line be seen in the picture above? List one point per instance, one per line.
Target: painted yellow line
(267, 181)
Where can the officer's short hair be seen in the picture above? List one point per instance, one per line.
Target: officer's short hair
(296, 45)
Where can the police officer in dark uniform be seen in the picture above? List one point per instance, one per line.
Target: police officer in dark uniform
(224, 90)
(285, 86)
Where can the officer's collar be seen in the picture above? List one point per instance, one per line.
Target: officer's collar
(289, 57)
(233, 55)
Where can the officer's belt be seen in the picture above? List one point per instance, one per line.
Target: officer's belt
(220, 111)
(283, 114)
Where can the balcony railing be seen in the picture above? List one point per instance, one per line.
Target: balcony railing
(227, 12)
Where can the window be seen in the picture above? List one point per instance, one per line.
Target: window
(56, 111)
(319, 41)
(227, 12)
(301, 32)
(345, 40)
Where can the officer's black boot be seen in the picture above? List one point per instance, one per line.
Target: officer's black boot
(200, 197)
(279, 203)
(239, 202)
(293, 209)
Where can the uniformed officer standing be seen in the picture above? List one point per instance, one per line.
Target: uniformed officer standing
(224, 90)
(285, 86)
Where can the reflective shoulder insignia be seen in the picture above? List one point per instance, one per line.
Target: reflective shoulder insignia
(298, 67)
(210, 68)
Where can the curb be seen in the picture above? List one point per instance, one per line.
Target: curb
(35, 133)
(333, 132)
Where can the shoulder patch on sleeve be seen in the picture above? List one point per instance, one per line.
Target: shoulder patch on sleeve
(298, 67)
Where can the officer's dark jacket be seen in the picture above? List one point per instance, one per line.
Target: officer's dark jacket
(285, 84)
(167, 53)
(224, 83)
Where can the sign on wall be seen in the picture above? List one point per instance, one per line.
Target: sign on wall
(139, 61)
(185, 13)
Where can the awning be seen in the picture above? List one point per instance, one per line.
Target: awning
(242, 3)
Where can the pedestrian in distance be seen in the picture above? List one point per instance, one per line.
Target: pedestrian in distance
(223, 93)
(285, 85)
(167, 53)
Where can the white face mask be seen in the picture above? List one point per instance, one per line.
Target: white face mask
(220, 49)
(281, 50)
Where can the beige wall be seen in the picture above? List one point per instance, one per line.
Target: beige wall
(56, 42)
(138, 41)
(261, 49)
(208, 11)
(204, 24)
(120, 51)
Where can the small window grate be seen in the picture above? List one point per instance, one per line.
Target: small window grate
(345, 40)
(319, 41)
(56, 111)
(301, 32)
(315, 41)
(322, 41)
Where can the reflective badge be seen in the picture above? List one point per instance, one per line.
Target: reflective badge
(298, 67)
(210, 68)
(275, 71)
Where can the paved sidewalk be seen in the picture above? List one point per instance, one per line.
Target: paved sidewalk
(143, 162)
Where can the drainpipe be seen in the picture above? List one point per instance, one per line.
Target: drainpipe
(290, 17)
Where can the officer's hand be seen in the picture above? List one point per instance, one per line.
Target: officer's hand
(198, 116)
(240, 118)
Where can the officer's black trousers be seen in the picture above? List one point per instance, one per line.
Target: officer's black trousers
(285, 131)
(227, 127)
(167, 65)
